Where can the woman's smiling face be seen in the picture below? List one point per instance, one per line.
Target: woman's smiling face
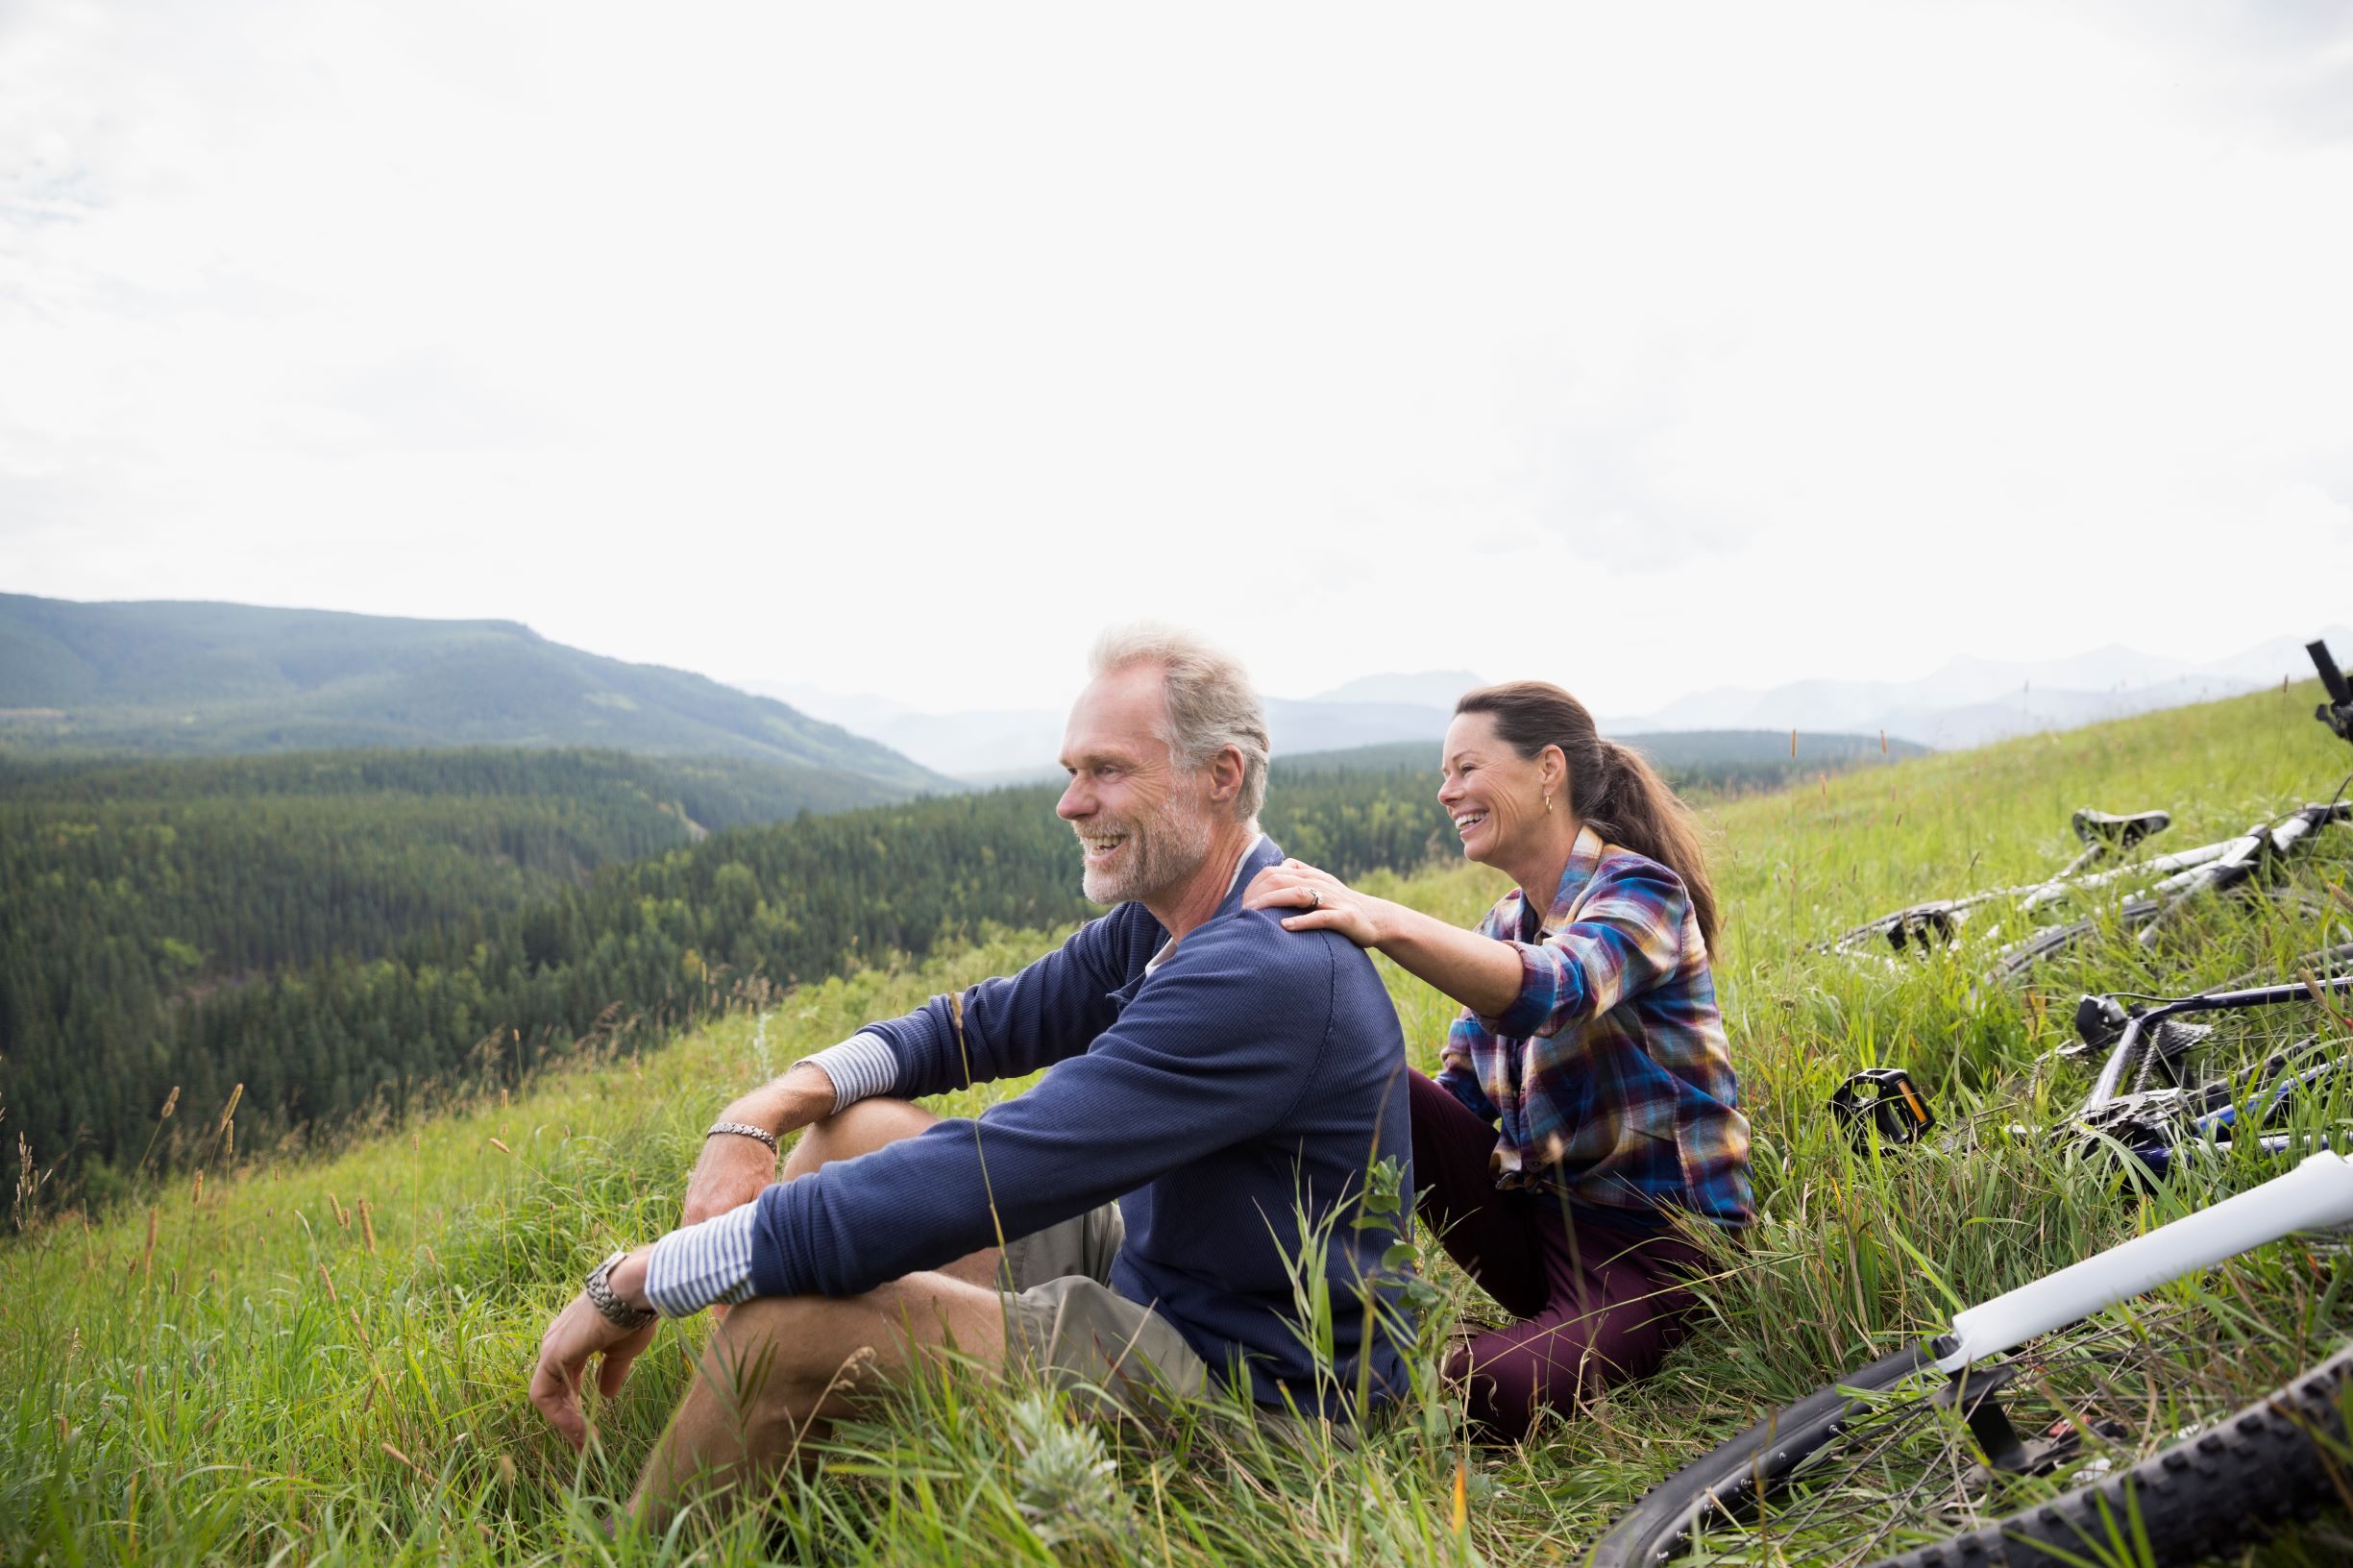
(1494, 794)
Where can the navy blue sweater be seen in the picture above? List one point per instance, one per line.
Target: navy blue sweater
(1254, 1074)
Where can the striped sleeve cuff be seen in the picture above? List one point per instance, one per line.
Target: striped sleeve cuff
(860, 1067)
(695, 1266)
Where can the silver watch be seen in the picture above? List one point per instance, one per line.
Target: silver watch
(617, 1311)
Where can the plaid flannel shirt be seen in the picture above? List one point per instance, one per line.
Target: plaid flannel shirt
(1609, 1079)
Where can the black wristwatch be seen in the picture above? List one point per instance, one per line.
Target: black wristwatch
(617, 1311)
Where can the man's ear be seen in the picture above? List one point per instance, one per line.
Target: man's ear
(1226, 774)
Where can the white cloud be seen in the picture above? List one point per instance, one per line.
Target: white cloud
(2306, 516)
(1633, 346)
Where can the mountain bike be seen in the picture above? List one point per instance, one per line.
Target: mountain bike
(2165, 1086)
(2252, 864)
(2120, 1408)
(2079, 1414)
(2084, 1416)
(2124, 1405)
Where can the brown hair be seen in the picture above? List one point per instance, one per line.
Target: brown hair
(1611, 787)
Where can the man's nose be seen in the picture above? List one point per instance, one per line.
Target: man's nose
(1075, 801)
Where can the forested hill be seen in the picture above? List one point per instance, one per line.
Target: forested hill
(1719, 760)
(341, 932)
(710, 793)
(167, 677)
(132, 889)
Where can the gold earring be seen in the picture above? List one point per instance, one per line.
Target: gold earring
(1548, 803)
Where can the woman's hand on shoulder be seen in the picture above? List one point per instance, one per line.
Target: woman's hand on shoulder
(1320, 900)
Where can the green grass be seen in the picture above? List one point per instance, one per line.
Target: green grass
(327, 1362)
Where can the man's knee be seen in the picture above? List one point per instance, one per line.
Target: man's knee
(802, 1345)
(761, 1363)
(854, 1129)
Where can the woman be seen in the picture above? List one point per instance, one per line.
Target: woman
(1586, 1099)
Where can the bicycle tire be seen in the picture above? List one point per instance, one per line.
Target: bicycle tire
(2233, 1484)
(2145, 917)
(2029, 953)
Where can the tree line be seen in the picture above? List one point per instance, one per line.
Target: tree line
(403, 923)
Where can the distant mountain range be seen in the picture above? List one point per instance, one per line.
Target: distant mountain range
(166, 677)
(1967, 703)
(1721, 759)
(1007, 744)
(169, 677)
(1004, 744)
(1971, 702)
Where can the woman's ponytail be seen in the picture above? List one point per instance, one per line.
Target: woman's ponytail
(1611, 787)
(1640, 810)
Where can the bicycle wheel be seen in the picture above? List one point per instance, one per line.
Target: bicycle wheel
(2020, 959)
(2178, 1427)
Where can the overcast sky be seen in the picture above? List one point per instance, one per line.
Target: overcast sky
(899, 349)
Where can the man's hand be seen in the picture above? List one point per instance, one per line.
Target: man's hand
(580, 1330)
(733, 1168)
(731, 1173)
(1322, 902)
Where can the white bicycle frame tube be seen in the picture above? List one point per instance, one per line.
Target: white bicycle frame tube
(2062, 885)
(2316, 1194)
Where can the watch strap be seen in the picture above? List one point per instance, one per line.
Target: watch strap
(598, 1288)
(745, 1129)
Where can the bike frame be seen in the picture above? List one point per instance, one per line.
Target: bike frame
(2317, 1195)
(2142, 1025)
(2203, 1126)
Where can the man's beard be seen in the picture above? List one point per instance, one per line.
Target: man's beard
(1157, 855)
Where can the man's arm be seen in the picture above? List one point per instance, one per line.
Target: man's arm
(1002, 1028)
(733, 1167)
(1013, 1025)
(1214, 1052)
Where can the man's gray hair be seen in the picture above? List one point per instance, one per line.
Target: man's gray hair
(1212, 703)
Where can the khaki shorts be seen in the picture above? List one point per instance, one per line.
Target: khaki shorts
(1066, 1324)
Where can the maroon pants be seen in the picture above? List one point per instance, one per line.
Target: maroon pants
(1597, 1303)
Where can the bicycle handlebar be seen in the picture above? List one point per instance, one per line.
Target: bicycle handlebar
(2332, 678)
(2140, 1025)
(2337, 711)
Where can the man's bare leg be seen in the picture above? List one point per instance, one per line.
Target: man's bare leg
(862, 1128)
(781, 1369)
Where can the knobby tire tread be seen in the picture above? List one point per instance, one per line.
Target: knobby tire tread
(2269, 1465)
(2265, 1467)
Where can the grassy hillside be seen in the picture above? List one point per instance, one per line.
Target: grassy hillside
(175, 678)
(301, 1361)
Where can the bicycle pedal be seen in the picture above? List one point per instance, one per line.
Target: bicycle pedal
(1882, 1102)
(2100, 1022)
(1924, 924)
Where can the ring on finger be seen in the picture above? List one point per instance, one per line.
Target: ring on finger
(1316, 898)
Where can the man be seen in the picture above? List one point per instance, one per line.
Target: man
(1130, 1222)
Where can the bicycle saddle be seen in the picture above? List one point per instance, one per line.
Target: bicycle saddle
(2119, 832)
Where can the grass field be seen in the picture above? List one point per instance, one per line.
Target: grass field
(328, 1361)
